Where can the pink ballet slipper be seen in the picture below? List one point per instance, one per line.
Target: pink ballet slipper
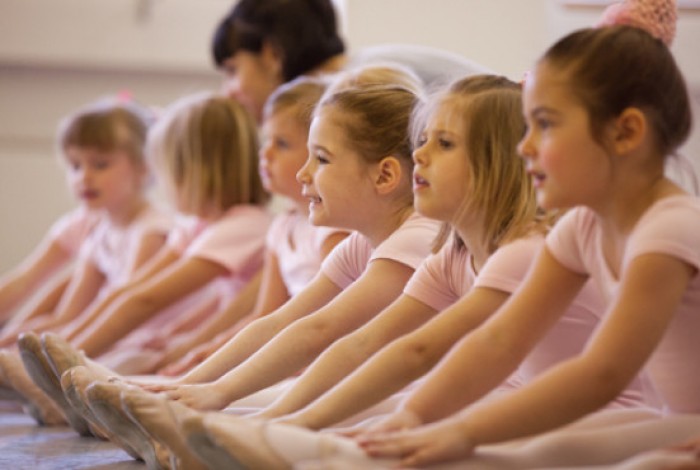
(44, 377)
(154, 415)
(241, 446)
(104, 401)
(35, 401)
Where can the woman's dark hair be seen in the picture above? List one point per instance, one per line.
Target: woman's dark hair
(303, 31)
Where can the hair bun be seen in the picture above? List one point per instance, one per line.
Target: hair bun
(657, 17)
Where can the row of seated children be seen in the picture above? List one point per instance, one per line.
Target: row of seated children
(490, 224)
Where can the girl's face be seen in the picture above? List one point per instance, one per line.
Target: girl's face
(106, 180)
(251, 78)
(567, 165)
(283, 153)
(335, 178)
(441, 172)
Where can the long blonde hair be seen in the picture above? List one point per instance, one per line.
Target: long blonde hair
(500, 189)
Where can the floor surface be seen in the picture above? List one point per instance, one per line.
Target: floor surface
(24, 445)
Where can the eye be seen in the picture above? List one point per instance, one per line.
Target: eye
(445, 144)
(101, 164)
(281, 143)
(421, 140)
(543, 124)
(321, 158)
(229, 69)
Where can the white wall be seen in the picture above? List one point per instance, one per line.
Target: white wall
(58, 54)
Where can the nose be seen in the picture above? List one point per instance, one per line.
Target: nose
(526, 146)
(420, 155)
(266, 152)
(304, 173)
(83, 174)
(231, 86)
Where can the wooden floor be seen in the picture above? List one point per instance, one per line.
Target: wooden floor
(24, 445)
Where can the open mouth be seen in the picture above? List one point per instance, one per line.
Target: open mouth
(537, 178)
(419, 181)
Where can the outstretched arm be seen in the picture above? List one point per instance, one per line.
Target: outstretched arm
(649, 295)
(22, 282)
(162, 260)
(348, 353)
(224, 318)
(45, 304)
(299, 344)
(83, 289)
(143, 302)
(401, 362)
(251, 338)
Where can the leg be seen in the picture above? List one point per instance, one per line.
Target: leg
(245, 443)
(607, 445)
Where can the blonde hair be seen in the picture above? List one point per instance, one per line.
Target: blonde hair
(500, 189)
(206, 148)
(300, 95)
(377, 74)
(107, 124)
(375, 120)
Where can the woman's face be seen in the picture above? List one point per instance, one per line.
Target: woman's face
(251, 78)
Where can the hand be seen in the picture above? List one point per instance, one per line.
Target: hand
(691, 445)
(202, 397)
(440, 442)
(400, 420)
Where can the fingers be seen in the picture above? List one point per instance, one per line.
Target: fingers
(394, 445)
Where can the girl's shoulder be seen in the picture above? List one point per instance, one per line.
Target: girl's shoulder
(154, 219)
(74, 227)
(506, 268)
(411, 242)
(669, 226)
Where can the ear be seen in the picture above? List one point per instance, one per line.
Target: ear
(388, 174)
(629, 130)
(272, 58)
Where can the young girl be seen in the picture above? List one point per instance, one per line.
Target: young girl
(102, 146)
(205, 148)
(605, 107)
(295, 248)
